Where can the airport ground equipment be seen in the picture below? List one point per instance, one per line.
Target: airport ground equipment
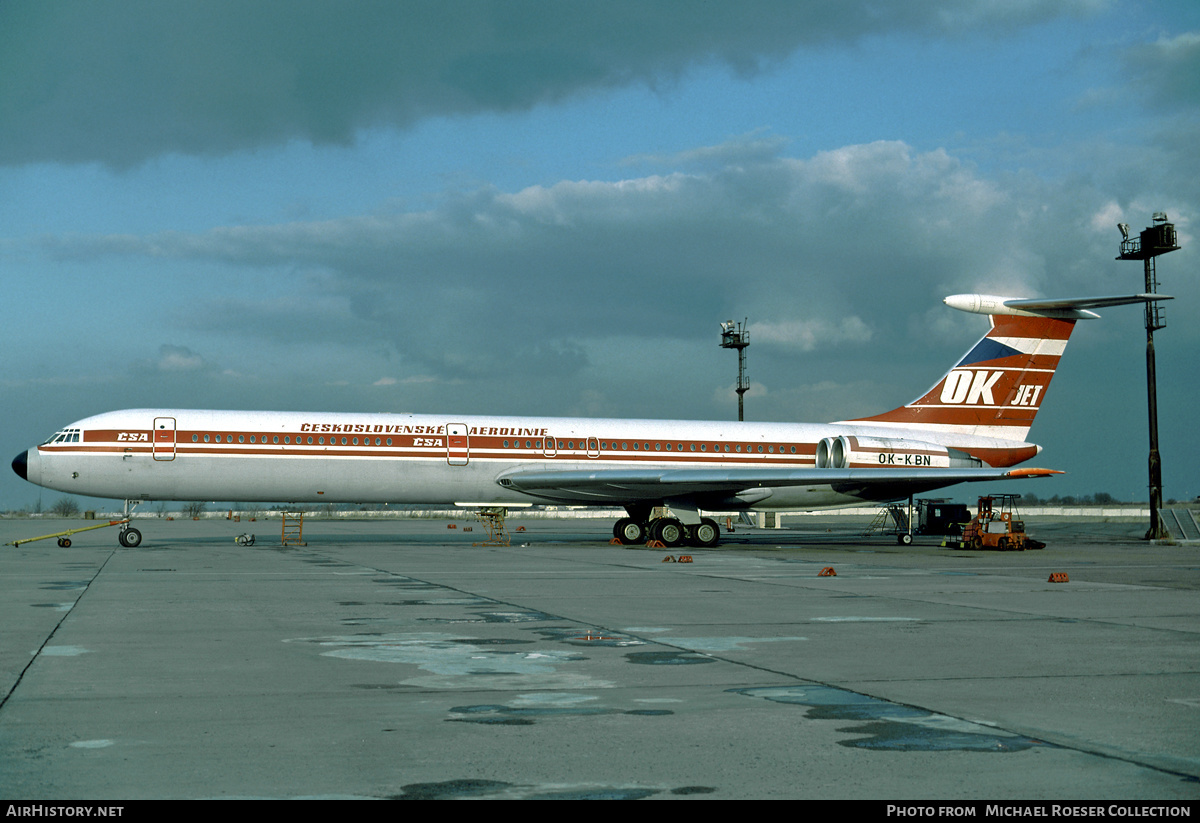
(935, 516)
(64, 538)
(293, 529)
(939, 516)
(492, 518)
(1182, 524)
(998, 526)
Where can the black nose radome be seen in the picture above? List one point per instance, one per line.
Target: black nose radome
(20, 465)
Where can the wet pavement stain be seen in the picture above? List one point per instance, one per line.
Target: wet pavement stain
(906, 737)
(516, 617)
(448, 659)
(496, 789)
(500, 715)
(668, 658)
(575, 636)
(491, 617)
(451, 790)
(891, 726)
(708, 645)
(596, 793)
(488, 716)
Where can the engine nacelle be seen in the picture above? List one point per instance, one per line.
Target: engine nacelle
(853, 452)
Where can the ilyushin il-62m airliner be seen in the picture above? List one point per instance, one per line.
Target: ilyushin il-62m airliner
(971, 426)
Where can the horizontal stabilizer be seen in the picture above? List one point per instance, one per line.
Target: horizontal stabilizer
(1067, 308)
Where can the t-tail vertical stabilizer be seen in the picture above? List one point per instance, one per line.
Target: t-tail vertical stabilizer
(996, 389)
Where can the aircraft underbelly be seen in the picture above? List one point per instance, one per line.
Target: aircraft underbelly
(271, 479)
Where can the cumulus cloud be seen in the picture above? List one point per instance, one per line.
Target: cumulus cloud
(176, 359)
(807, 335)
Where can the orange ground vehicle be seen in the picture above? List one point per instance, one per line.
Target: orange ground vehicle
(998, 526)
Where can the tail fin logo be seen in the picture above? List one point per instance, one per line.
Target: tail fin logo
(971, 388)
(965, 387)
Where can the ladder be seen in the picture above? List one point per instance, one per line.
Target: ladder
(896, 513)
(493, 521)
(293, 529)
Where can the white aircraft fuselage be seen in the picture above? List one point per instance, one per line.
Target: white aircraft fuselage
(301, 457)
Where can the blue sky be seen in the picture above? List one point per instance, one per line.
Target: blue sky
(547, 208)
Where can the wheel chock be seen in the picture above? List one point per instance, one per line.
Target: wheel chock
(827, 572)
(685, 558)
(451, 526)
(1059, 577)
(656, 544)
(668, 559)
(616, 541)
(468, 528)
(520, 528)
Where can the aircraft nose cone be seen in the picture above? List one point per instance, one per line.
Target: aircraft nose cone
(20, 465)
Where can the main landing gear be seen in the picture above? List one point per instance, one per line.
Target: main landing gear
(670, 531)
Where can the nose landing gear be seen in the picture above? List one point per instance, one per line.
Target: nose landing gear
(129, 537)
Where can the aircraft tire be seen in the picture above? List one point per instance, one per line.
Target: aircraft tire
(130, 538)
(629, 531)
(904, 539)
(669, 531)
(706, 535)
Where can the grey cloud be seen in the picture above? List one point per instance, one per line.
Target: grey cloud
(124, 81)
(826, 254)
(1166, 72)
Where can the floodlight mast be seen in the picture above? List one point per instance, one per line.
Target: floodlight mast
(736, 336)
(1158, 239)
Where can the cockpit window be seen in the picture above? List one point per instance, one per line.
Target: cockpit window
(64, 436)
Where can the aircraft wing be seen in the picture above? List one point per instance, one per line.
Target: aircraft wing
(737, 486)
